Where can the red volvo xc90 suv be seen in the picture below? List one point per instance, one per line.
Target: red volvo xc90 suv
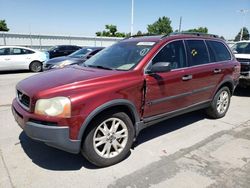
(98, 109)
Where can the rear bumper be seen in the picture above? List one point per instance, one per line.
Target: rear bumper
(55, 136)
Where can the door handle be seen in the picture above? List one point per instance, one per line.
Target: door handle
(7, 59)
(187, 77)
(216, 71)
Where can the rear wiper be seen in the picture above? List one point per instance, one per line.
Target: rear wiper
(99, 67)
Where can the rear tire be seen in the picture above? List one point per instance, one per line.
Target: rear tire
(36, 66)
(109, 139)
(220, 103)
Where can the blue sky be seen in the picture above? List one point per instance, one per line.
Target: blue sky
(82, 17)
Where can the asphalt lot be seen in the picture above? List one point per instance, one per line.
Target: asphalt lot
(187, 151)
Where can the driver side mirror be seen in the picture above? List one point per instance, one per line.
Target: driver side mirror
(160, 67)
(235, 51)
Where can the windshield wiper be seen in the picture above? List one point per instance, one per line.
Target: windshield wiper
(99, 67)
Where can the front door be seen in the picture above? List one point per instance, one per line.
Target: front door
(168, 91)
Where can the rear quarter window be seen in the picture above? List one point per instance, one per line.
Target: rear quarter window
(218, 51)
(26, 51)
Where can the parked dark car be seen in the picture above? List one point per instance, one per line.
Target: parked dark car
(100, 108)
(62, 50)
(78, 57)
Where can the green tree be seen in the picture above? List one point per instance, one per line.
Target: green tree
(245, 35)
(3, 26)
(223, 38)
(161, 26)
(199, 30)
(139, 33)
(110, 31)
(118, 34)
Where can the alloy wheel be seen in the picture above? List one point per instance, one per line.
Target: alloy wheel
(110, 138)
(222, 102)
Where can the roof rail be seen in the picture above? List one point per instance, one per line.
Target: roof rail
(191, 33)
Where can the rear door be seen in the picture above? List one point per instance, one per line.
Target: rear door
(205, 69)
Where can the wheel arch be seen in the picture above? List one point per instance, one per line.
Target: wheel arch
(227, 83)
(121, 105)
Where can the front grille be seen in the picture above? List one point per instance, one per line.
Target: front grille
(243, 60)
(245, 68)
(23, 99)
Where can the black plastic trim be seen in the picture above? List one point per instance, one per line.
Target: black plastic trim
(161, 117)
(156, 101)
(54, 136)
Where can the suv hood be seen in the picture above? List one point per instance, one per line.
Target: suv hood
(47, 83)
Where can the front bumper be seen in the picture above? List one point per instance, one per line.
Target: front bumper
(244, 72)
(244, 80)
(55, 136)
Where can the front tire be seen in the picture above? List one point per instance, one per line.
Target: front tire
(109, 140)
(220, 103)
(36, 66)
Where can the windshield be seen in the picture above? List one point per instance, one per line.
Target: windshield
(242, 48)
(120, 56)
(80, 53)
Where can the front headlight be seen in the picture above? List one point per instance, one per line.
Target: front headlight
(57, 107)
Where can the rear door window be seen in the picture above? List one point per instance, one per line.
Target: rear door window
(17, 51)
(20, 51)
(197, 52)
(218, 51)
